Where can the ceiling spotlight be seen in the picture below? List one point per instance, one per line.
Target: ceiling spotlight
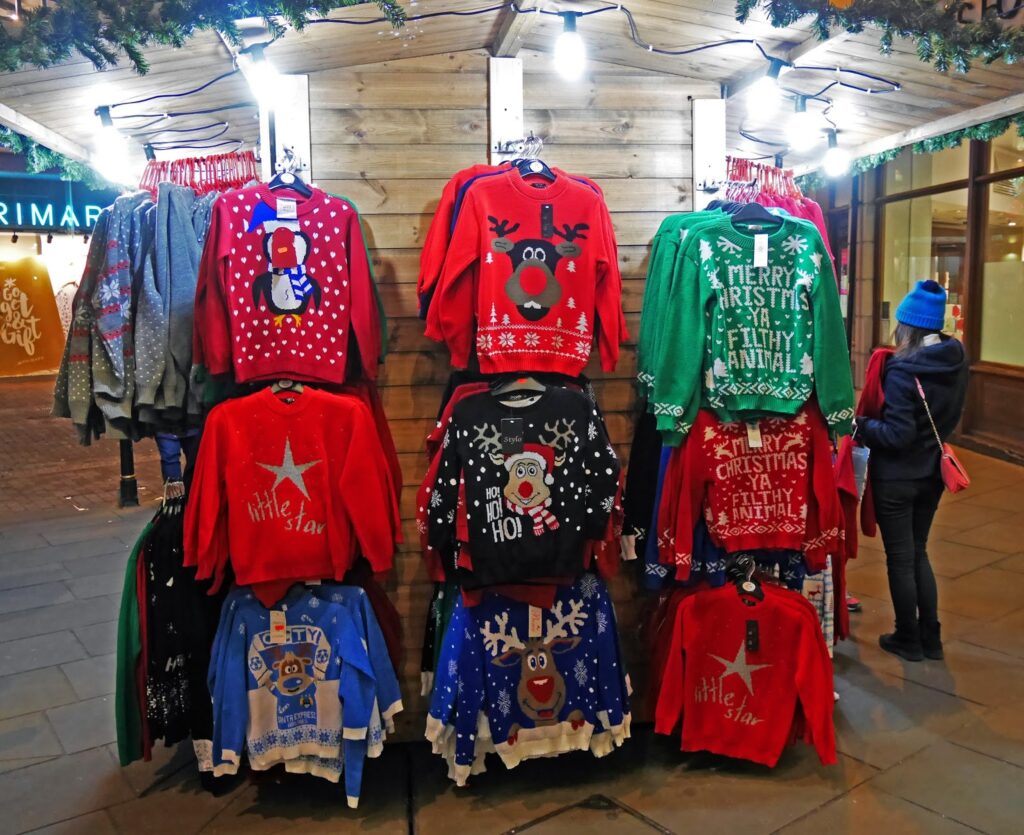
(14, 238)
(49, 237)
(263, 78)
(570, 51)
(106, 120)
(803, 130)
(764, 95)
(837, 160)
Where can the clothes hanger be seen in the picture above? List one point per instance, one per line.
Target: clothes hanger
(287, 385)
(742, 572)
(507, 385)
(756, 215)
(530, 165)
(287, 176)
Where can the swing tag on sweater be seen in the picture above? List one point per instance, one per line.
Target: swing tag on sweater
(278, 630)
(547, 221)
(754, 435)
(511, 436)
(753, 636)
(286, 209)
(760, 250)
(536, 622)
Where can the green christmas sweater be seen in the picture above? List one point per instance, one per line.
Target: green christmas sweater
(749, 342)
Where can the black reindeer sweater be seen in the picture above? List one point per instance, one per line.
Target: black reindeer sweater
(539, 478)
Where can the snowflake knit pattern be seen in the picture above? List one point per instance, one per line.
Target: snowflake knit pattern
(772, 335)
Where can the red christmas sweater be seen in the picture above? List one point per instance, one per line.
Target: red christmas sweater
(546, 281)
(781, 494)
(280, 296)
(289, 490)
(739, 697)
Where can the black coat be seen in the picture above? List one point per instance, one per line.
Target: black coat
(902, 443)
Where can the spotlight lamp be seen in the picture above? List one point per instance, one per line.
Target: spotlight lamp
(837, 160)
(764, 96)
(14, 237)
(570, 52)
(802, 131)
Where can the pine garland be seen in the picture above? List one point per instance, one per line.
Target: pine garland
(940, 37)
(39, 159)
(102, 30)
(985, 132)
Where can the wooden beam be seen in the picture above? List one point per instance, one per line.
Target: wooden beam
(43, 135)
(513, 29)
(1009, 106)
(807, 53)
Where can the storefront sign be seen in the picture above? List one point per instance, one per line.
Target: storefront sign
(45, 203)
(1009, 13)
(31, 335)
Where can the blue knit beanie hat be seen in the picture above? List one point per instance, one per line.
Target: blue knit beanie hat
(924, 306)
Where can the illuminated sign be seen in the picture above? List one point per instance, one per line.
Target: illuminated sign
(44, 203)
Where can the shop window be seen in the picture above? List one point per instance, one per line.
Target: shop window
(910, 171)
(1002, 293)
(1007, 151)
(925, 237)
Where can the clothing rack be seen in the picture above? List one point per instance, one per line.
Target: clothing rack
(218, 172)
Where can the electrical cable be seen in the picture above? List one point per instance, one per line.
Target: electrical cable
(181, 94)
(209, 138)
(176, 114)
(238, 143)
(211, 126)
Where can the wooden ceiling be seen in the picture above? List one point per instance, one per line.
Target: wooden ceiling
(59, 102)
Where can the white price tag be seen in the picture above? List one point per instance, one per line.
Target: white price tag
(278, 627)
(760, 250)
(286, 209)
(754, 436)
(536, 622)
(682, 234)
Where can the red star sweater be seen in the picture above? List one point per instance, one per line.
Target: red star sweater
(288, 490)
(738, 697)
(781, 494)
(547, 278)
(281, 297)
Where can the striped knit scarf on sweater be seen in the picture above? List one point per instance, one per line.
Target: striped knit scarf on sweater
(540, 515)
(300, 284)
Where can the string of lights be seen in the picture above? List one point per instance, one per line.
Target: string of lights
(764, 97)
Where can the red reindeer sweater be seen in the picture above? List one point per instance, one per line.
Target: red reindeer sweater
(280, 293)
(547, 278)
(779, 494)
(289, 491)
(736, 674)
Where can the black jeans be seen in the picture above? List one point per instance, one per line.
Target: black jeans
(905, 510)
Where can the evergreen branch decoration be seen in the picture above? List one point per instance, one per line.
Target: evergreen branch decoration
(985, 132)
(941, 38)
(103, 30)
(39, 158)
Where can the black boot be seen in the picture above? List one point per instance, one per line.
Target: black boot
(931, 640)
(906, 644)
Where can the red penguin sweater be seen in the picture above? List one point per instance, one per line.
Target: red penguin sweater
(289, 490)
(547, 278)
(764, 485)
(736, 673)
(281, 290)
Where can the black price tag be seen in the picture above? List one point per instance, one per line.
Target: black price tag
(547, 221)
(511, 436)
(753, 636)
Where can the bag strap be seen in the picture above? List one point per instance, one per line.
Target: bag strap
(920, 391)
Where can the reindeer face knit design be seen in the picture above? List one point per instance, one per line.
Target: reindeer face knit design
(529, 508)
(522, 692)
(547, 278)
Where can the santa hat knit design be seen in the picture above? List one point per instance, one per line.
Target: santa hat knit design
(543, 455)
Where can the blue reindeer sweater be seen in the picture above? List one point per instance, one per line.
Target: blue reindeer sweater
(300, 693)
(525, 692)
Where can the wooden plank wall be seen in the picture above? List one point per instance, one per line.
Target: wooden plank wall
(389, 135)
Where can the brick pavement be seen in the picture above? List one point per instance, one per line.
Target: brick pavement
(931, 747)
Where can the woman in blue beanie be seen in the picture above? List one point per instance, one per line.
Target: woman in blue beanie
(904, 464)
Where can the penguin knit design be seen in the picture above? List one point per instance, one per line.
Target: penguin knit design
(283, 285)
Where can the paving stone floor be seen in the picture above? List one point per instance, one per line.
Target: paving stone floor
(930, 748)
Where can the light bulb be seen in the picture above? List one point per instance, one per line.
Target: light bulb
(843, 112)
(837, 160)
(263, 78)
(804, 129)
(570, 55)
(764, 95)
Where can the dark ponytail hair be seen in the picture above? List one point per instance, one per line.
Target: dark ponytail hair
(908, 339)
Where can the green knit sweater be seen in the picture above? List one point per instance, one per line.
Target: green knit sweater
(751, 341)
